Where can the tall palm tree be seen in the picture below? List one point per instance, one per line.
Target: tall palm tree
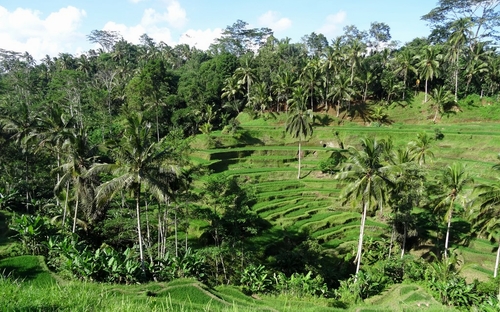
(341, 91)
(310, 78)
(453, 180)
(246, 76)
(355, 50)
(284, 87)
(139, 163)
(299, 123)
(404, 64)
(368, 179)
(488, 219)
(477, 63)
(78, 156)
(428, 65)
(460, 34)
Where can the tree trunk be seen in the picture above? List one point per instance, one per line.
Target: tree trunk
(361, 235)
(176, 238)
(392, 240)
(404, 241)
(496, 262)
(300, 156)
(139, 233)
(447, 239)
(76, 210)
(148, 233)
(65, 204)
(425, 99)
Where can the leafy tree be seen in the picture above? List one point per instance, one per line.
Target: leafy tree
(238, 39)
(368, 179)
(299, 123)
(105, 38)
(380, 33)
(484, 15)
(316, 44)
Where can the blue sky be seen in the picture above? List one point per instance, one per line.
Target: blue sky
(51, 27)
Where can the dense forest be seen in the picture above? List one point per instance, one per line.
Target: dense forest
(100, 173)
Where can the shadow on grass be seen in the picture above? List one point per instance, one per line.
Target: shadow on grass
(291, 252)
(26, 269)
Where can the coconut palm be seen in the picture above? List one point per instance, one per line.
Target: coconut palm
(477, 63)
(441, 99)
(368, 180)
(404, 64)
(453, 180)
(428, 65)
(310, 78)
(245, 75)
(299, 123)
(459, 36)
(77, 156)
(139, 163)
(488, 219)
(341, 91)
(420, 148)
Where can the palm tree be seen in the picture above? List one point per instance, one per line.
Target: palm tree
(477, 63)
(441, 98)
(454, 179)
(459, 36)
(231, 90)
(428, 65)
(78, 156)
(406, 194)
(310, 78)
(488, 219)
(140, 163)
(21, 125)
(420, 148)
(245, 75)
(354, 53)
(299, 123)
(368, 179)
(284, 87)
(341, 91)
(404, 63)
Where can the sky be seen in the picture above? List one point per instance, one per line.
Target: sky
(61, 26)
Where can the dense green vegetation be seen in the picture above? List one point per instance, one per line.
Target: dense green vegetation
(258, 175)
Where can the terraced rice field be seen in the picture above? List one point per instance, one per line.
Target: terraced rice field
(312, 203)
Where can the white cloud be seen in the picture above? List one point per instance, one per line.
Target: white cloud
(25, 30)
(201, 39)
(331, 26)
(136, 1)
(272, 20)
(153, 23)
(175, 15)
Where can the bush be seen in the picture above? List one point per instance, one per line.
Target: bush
(33, 232)
(330, 165)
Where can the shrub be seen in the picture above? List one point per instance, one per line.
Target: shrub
(33, 232)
